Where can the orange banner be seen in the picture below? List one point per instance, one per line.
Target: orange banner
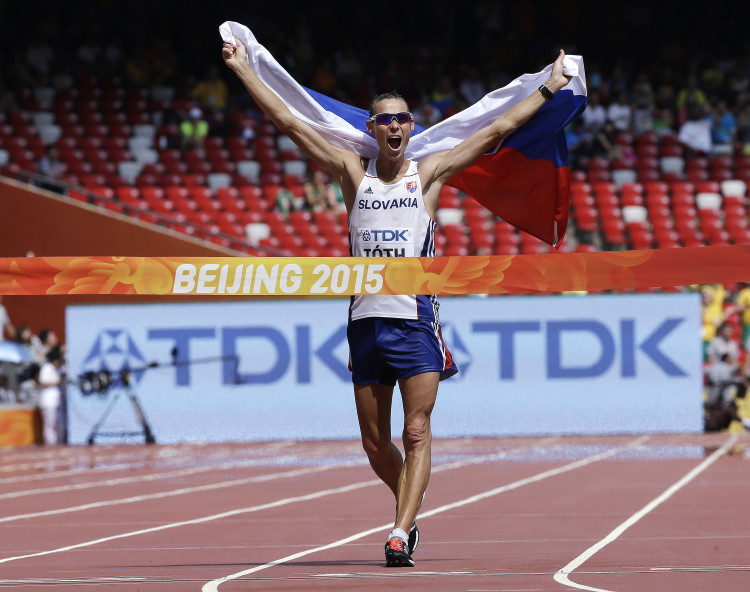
(342, 276)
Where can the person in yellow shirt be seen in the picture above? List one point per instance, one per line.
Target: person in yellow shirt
(193, 130)
(743, 307)
(713, 312)
(212, 92)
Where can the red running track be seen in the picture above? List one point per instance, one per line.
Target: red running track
(664, 513)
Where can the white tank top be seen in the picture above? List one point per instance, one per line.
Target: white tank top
(390, 220)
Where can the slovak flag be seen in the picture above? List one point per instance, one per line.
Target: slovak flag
(525, 180)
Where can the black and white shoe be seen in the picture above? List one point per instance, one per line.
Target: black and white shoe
(414, 531)
(413, 537)
(397, 554)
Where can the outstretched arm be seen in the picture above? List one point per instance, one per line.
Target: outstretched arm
(309, 141)
(440, 167)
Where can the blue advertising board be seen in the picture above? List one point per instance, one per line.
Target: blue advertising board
(278, 369)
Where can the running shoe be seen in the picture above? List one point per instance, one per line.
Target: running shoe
(414, 531)
(413, 537)
(396, 554)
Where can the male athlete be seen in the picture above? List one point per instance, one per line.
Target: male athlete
(391, 203)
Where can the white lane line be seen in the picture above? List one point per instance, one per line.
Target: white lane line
(562, 575)
(182, 491)
(219, 485)
(150, 477)
(202, 520)
(162, 460)
(213, 585)
(457, 464)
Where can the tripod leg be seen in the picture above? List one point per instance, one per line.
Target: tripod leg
(98, 424)
(142, 418)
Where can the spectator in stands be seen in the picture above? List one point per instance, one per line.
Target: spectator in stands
(724, 129)
(743, 126)
(444, 94)
(604, 145)
(620, 113)
(724, 384)
(137, 71)
(643, 112)
(31, 342)
(28, 389)
(39, 57)
(426, 114)
(688, 97)
(335, 197)
(6, 327)
(50, 394)
(286, 201)
(51, 166)
(211, 92)
(325, 79)
(695, 132)
(49, 339)
(7, 394)
(89, 54)
(579, 144)
(317, 192)
(712, 312)
(8, 102)
(162, 62)
(743, 308)
(663, 123)
(471, 87)
(193, 130)
(595, 115)
(723, 344)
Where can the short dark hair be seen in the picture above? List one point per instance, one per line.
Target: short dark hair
(55, 353)
(382, 97)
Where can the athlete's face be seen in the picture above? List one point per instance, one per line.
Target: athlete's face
(392, 138)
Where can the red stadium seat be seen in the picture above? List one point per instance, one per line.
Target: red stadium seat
(203, 198)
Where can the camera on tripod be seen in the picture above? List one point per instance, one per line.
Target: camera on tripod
(99, 381)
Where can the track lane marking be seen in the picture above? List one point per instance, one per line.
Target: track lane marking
(213, 585)
(308, 497)
(181, 491)
(561, 576)
(202, 520)
(219, 485)
(150, 477)
(166, 459)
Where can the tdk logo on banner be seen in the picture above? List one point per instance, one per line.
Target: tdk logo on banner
(293, 354)
(623, 342)
(113, 351)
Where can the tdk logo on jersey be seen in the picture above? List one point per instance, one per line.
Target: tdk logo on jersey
(411, 186)
(113, 351)
(387, 236)
(368, 191)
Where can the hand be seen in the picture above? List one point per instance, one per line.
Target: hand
(557, 79)
(234, 57)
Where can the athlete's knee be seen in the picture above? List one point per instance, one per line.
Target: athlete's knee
(375, 447)
(417, 432)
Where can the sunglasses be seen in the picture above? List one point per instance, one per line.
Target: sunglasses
(387, 118)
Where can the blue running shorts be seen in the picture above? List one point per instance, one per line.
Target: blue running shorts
(382, 350)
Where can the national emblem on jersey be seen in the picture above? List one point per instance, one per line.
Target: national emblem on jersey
(411, 186)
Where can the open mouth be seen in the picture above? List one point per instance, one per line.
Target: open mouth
(394, 142)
